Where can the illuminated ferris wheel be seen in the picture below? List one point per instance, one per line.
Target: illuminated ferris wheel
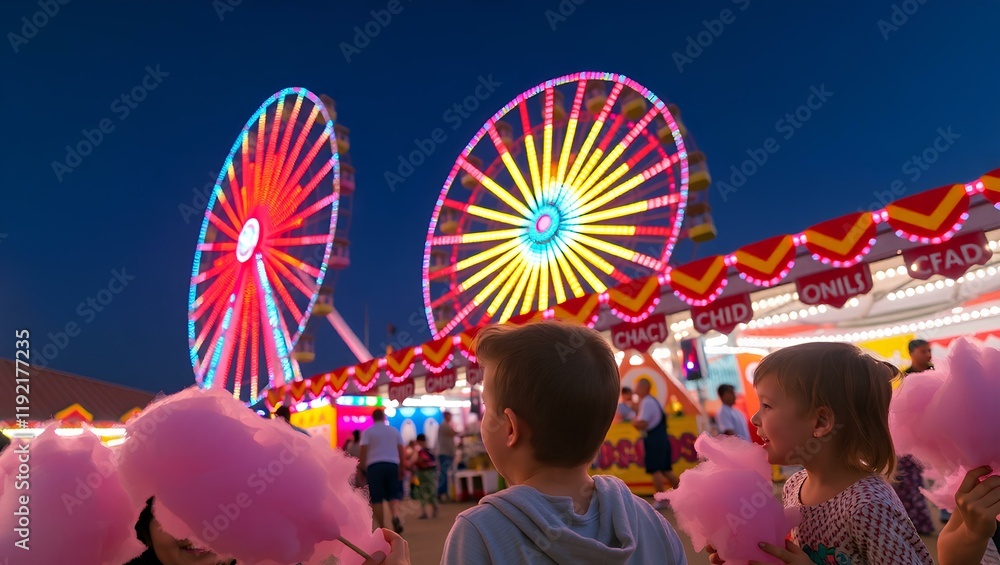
(264, 246)
(577, 184)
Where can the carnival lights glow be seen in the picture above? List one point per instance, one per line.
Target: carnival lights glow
(264, 245)
(574, 202)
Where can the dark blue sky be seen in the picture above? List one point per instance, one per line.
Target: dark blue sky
(120, 207)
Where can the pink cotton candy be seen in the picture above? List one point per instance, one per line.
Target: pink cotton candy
(78, 510)
(728, 501)
(248, 488)
(948, 418)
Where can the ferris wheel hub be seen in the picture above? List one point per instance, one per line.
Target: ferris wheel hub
(247, 243)
(545, 224)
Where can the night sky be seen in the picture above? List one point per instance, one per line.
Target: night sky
(923, 75)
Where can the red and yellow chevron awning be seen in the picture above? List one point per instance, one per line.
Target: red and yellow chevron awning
(297, 390)
(338, 380)
(766, 262)
(931, 216)
(465, 341)
(436, 354)
(842, 241)
(366, 374)
(317, 385)
(991, 186)
(129, 415)
(635, 301)
(583, 310)
(74, 412)
(275, 396)
(399, 364)
(701, 281)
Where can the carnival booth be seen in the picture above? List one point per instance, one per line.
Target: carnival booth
(921, 266)
(76, 402)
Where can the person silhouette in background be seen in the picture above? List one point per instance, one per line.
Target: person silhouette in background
(910, 475)
(285, 414)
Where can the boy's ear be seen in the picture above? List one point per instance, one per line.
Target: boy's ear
(515, 428)
(824, 425)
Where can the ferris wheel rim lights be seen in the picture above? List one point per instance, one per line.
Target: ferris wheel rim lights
(271, 173)
(557, 233)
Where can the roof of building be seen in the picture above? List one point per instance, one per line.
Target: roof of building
(51, 391)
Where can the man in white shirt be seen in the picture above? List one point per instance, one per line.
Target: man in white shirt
(730, 421)
(382, 454)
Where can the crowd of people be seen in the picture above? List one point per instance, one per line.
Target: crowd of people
(830, 396)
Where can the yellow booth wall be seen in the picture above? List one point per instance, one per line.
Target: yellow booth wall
(320, 421)
(622, 453)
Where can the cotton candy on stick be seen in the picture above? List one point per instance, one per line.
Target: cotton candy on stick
(728, 502)
(245, 487)
(947, 418)
(78, 510)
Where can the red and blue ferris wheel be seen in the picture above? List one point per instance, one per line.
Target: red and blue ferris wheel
(264, 246)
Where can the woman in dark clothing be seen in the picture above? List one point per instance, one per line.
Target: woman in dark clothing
(163, 549)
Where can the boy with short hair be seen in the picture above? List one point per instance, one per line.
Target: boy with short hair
(550, 393)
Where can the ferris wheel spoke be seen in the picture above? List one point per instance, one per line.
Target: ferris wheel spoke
(216, 290)
(217, 309)
(474, 279)
(530, 153)
(323, 139)
(531, 289)
(555, 270)
(497, 190)
(621, 230)
(298, 219)
(475, 259)
(227, 208)
(218, 267)
(258, 158)
(476, 237)
(511, 165)
(505, 291)
(547, 137)
(286, 136)
(619, 149)
(585, 271)
(279, 287)
(227, 335)
(629, 209)
(562, 254)
(275, 332)
(597, 261)
(488, 214)
(543, 286)
(596, 156)
(296, 196)
(595, 130)
(223, 226)
(284, 265)
(570, 135)
(254, 319)
(300, 141)
(494, 284)
(223, 246)
(300, 240)
(616, 174)
(624, 187)
(271, 161)
(619, 251)
(242, 344)
(515, 296)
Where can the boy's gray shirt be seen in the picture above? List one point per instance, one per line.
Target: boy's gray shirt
(522, 525)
